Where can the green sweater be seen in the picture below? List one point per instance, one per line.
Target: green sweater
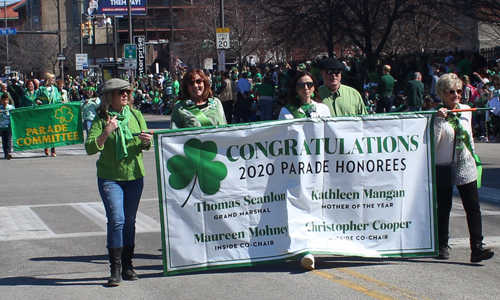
(265, 89)
(385, 86)
(126, 169)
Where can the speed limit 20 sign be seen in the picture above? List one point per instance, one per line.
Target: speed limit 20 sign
(222, 36)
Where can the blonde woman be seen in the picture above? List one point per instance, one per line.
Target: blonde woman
(118, 134)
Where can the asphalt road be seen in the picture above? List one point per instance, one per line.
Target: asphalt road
(52, 245)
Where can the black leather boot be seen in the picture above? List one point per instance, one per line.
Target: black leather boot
(478, 253)
(127, 268)
(115, 261)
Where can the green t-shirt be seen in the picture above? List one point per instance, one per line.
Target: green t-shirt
(346, 101)
(126, 169)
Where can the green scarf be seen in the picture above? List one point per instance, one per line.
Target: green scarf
(463, 140)
(29, 95)
(198, 114)
(123, 134)
(297, 113)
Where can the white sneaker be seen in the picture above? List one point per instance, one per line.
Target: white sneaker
(307, 262)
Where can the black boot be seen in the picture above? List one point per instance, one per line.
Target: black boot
(127, 268)
(115, 260)
(478, 253)
(444, 252)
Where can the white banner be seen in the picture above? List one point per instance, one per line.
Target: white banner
(236, 195)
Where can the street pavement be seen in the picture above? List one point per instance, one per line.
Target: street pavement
(53, 237)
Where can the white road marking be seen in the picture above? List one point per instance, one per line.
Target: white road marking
(22, 223)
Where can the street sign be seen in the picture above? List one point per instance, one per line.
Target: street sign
(81, 59)
(8, 31)
(130, 63)
(222, 38)
(7, 69)
(61, 56)
(141, 54)
(130, 51)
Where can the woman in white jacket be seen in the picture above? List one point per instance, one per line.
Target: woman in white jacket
(455, 161)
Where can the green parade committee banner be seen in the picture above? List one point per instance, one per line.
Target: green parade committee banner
(46, 126)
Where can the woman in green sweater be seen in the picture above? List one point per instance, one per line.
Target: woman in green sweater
(197, 107)
(118, 133)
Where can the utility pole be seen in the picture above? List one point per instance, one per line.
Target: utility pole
(61, 63)
(130, 34)
(80, 13)
(6, 36)
(221, 13)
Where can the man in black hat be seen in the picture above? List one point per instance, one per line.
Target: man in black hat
(341, 99)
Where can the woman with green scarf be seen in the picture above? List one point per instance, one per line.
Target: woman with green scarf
(29, 96)
(118, 132)
(456, 164)
(303, 99)
(304, 102)
(198, 107)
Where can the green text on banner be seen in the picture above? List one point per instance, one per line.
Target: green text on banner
(239, 195)
(46, 126)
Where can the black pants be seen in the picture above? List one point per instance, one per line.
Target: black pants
(242, 109)
(6, 141)
(384, 104)
(470, 201)
(228, 110)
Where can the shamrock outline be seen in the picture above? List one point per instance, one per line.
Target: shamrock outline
(61, 115)
(197, 164)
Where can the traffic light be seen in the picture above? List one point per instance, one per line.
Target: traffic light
(88, 26)
(83, 29)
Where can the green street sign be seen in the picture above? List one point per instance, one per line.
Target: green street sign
(130, 51)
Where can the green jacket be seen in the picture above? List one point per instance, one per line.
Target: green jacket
(49, 97)
(385, 86)
(414, 92)
(28, 99)
(126, 169)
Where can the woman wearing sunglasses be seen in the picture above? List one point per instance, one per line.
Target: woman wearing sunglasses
(118, 132)
(456, 165)
(197, 107)
(303, 101)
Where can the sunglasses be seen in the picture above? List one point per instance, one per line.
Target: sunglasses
(197, 81)
(302, 85)
(121, 92)
(330, 72)
(452, 92)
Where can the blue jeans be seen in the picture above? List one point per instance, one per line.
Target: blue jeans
(121, 201)
(87, 124)
(266, 109)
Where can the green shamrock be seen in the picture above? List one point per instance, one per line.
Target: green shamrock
(64, 114)
(198, 164)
